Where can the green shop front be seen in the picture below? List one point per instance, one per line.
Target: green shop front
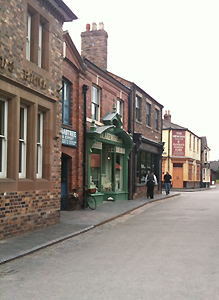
(108, 149)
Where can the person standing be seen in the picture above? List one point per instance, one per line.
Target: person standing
(150, 181)
(167, 180)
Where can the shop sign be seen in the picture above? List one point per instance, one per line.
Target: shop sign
(35, 80)
(110, 137)
(97, 145)
(178, 143)
(69, 137)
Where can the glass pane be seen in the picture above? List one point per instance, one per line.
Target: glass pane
(107, 173)
(95, 95)
(2, 117)
(38, 128)
(95, 171)
(148, 162)
(138, 168)
(119, 172)
(21, 123)
(1, 154)
(143, 166)
(37, 166)
(20, 157)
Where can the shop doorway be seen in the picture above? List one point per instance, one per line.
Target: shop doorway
(178, 176)
(64, 175)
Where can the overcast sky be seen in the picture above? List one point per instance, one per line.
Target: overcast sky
(169, 48)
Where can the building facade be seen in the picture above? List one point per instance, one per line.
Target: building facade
(99, 157)
(205, 155)
(30, 113)
(182, 155)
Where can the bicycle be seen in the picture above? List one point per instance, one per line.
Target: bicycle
(69, 201)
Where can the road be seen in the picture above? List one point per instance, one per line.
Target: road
(165, 250)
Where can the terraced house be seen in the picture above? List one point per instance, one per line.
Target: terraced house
(30, 113)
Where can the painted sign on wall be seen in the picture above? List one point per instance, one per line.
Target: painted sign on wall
(178, 143)
(69, 137)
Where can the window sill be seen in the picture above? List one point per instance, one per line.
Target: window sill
(33, 67)
(139, 122)
(148, 126)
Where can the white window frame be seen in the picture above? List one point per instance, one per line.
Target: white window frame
(28, 36)
(95, 104)
(3, 172)
(40, 147)
(119, 108)
(40, 45)
(138, 102)
(23, 141)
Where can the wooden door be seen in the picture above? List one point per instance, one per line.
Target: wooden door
(177, 180)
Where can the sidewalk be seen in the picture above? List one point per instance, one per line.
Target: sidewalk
(72, 223)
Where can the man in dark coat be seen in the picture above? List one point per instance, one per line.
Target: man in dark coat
(167, 180)
(150, 181)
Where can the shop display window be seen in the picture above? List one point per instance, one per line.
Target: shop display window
(119, 172)
(95, 170)
(107, 171)
(145, 163)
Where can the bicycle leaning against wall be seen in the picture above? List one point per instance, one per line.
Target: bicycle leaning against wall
(70, 201)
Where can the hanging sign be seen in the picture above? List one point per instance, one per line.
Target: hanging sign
(69, 137)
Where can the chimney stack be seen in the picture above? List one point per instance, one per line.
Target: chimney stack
(94, 45)
(167, 116)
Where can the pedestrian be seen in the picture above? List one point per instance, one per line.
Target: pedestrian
(167, 180)
(150, 181)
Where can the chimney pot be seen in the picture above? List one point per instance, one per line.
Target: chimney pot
(87, 27)
(167, 116)
(94, 26)
(101, 26)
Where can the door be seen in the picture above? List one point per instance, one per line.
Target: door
(64, 175)
(177, 181)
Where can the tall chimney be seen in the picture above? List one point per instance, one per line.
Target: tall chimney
(94, 45)
(167, 116)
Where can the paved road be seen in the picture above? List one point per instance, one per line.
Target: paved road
(165, 250)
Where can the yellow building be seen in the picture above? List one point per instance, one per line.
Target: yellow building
(181, 155)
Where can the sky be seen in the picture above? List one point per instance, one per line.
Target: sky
(168, 48)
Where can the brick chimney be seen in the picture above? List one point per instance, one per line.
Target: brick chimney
(94, 45)
(167, 116)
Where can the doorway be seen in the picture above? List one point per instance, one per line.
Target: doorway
(64, 175)
(178, 176)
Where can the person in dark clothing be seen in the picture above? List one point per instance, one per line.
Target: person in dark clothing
(150, 181)
(167, 180)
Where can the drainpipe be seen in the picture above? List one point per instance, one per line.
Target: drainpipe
(85, 89)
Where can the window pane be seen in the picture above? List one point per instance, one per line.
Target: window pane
(149, 162)
(1, 154)
(138, 168)
(143, 166)
(2, 117)
(21, 123)
(95, 170)
(20, 157)
(66, 103)
(108, 171)
(38, 128)
(95, 95)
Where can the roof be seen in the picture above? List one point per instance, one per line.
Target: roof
(170, 125)
(64, 10)
(214, 165)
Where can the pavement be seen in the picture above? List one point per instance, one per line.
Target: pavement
(72, 223)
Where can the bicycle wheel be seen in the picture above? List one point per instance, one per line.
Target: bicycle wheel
(69, 202)
(91, 201)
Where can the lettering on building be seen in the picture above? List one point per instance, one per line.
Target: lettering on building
(33, 79)
(6, 64)
(110, 137)
(69, 137)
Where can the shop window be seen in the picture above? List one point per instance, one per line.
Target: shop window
(148, 114)
(95, 170)
(22, 142)
(156, 119)
(37, 40)
(119, 172)
(120, 107)
(66, 102)
(95, 103)
(138, 108)
(107, 171)
(3, 137)
(39, 145)
(145, 163)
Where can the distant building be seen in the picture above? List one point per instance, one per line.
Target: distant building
(182, 155)
(214, 167)
(205, 155)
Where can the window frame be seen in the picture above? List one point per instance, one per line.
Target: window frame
(148, 114)
(39, 170)
(95, 104)
(28, 40)
(138, 102)
(66, 89)
(22, 173)
(4, 137)
(119, 107)
(156, 119)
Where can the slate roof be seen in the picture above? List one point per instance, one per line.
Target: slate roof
(170, 125)
(214, 165)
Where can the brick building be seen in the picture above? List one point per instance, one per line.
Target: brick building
(30, 113)
(205, 158)
(108, 143)
(182, 155)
